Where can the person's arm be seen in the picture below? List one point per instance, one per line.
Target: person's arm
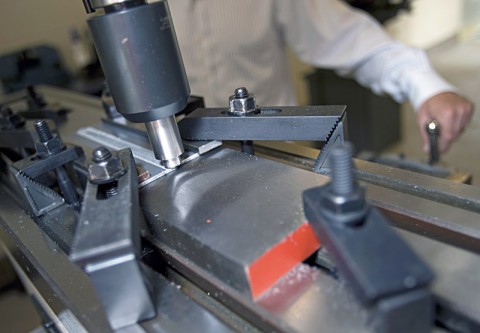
(330, 34)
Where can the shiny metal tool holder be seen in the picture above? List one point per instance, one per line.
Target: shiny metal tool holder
(138, 50)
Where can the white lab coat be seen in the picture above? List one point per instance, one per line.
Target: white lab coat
(227, 44)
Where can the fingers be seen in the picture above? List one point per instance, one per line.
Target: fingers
(422, 119)
(449, 127)
(453, 113)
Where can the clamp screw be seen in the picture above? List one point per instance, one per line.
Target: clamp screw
(106, 167)
(43, 131)
(342, 199)
(101, 154)
(242, 102)
(241, 92)
(343, 182)
(48, 147)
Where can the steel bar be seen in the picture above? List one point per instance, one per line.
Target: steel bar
(312, 123)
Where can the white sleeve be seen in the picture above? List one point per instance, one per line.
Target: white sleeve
(331, 34)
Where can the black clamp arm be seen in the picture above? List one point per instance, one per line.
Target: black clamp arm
(382, 270)
(244, 121)
(107, 238)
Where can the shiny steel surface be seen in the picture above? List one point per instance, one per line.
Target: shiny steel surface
(438, 208)
(105, 3)
(166, 142)
(226, 210)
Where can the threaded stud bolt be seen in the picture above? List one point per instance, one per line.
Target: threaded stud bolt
(43, 131)
(343, 181)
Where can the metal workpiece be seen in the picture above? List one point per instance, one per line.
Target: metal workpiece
(457, 307)
(140, 57)
(108, 249)
(166, 141)
(198, 208)
(241, 102)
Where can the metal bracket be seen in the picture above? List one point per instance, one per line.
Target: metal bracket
(310, 123)
(40, 199)
(107, 245)
(383, 272)
(337, 136)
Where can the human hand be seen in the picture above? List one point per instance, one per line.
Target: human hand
(453, 113)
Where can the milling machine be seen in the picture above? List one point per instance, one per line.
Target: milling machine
(112, 227)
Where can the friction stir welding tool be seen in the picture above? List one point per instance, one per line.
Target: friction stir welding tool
(140, 57)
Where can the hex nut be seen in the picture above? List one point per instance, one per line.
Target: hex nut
(242, 106)
(106, 171)
(347, 209)
(50, 147)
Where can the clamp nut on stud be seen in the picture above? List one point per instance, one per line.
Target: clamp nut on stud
(49, 143)
(242, 102)
(106, 167)
(343, 200)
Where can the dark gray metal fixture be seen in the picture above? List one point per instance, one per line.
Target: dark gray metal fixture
(108, 248)
(138, 50)
(382, 270)
(49, 145)
(245, 122)
(51, 155)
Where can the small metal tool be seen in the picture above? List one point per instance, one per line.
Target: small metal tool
(433, 130)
